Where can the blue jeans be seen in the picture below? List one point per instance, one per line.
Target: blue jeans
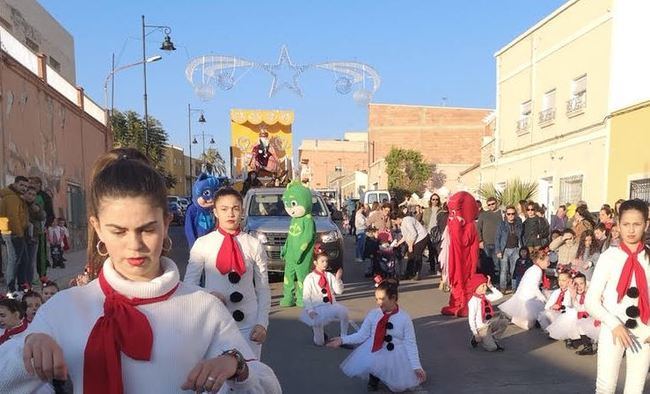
(361, 243)
(508, 260)
(9, 257)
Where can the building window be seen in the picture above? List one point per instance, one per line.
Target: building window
(640, 189)
(54, 64)
(578, 101)
(523, 123)
(571, 189)
(31, 45)
(547, 114)
(76, 213)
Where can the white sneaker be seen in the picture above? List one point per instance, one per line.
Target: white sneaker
(358, 260)
(319, 335)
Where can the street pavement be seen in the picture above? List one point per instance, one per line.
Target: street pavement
(530, 364)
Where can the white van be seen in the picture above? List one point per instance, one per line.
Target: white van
(373, 196)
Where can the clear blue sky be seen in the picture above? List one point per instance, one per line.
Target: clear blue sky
(424, 50)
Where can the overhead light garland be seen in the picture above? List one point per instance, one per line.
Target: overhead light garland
(210, 72)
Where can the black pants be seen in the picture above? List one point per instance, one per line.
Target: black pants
(433, 254)
(414, 262)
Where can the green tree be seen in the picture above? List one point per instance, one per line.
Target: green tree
(128, 131)
(407, 171)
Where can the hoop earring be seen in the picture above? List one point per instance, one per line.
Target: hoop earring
(98, 247)
(169, 241)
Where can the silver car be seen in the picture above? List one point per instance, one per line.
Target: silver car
(266, 219)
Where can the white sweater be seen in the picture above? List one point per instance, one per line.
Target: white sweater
(601, 299)
(552, 299)
(188, 327)
(475, 315)
(312, 295)
(402, 331)
(254, 284)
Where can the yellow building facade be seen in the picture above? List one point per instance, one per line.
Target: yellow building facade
(557, 121)
(175, 165)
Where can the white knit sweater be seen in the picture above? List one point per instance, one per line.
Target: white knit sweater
(188, 327)
(254, 284)
(402, 332)
(312, 294)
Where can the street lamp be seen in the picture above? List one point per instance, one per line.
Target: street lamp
(111, 76)
(203, 135)
(189, 130)
(167, 45)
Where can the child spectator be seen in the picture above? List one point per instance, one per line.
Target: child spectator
(31, 302)
(521, 266)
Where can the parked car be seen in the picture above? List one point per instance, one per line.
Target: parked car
(266, 219)
(177, 213)
(372, 196)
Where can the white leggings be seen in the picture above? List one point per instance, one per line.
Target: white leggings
(609, 363)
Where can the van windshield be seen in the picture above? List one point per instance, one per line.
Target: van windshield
(272, 205)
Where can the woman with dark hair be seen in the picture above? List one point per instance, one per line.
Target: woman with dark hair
(606, 216)
(430, 219)
(173, 337)
(582, 220)
(587, 254)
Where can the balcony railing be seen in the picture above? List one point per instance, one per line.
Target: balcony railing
(547, 116)
(576, 105)
(523, 124)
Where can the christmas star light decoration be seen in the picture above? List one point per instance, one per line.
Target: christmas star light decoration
(206, 73)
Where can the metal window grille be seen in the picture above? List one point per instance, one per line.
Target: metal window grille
(571, 189)
(640, 188)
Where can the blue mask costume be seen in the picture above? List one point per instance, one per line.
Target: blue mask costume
(199, 218)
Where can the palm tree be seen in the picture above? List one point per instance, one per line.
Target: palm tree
(213, 162)
(514, 191)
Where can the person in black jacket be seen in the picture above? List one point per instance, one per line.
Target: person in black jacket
(536, 229)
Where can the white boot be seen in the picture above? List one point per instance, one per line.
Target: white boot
(319, 335)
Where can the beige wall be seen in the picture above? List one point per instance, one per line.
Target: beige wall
(573, 41)
(27, 19)
(325, 155)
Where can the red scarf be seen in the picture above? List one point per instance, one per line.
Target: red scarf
(324, 284)
(122, 329)
(485, 304)
(633, 266)
(230, 257)
(560, 298)
(380, 332)
(546, 283)
(10, 332)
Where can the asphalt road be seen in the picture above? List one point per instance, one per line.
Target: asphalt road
(531, 363)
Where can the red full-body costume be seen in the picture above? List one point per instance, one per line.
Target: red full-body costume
(463, 251)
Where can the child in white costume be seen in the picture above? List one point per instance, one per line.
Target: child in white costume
(388, 350)
(618, 296)
(576, 327)
(558, 302)
(318, 294)
(486, 324)
(235, 266)
(528, 301)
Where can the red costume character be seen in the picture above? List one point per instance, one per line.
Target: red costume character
(463, 251)
(264, 157)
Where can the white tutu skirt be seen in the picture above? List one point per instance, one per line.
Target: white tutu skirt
(327, 313)
(588, 328)
(565, 326)
(393, 368)
(522, 313)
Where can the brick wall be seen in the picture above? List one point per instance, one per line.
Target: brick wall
(444, 135)
(324, 162)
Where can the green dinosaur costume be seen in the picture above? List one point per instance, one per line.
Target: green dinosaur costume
(297, 251)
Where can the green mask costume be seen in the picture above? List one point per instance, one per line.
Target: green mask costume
(297, 251)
